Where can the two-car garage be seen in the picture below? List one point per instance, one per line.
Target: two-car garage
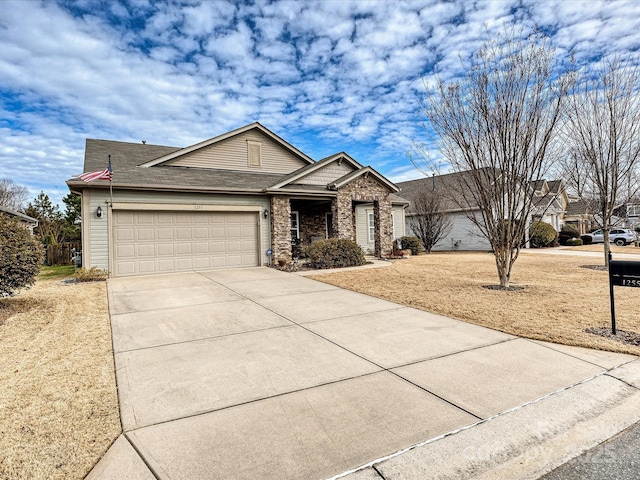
(152, 241)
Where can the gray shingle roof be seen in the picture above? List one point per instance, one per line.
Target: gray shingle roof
(125, 158)
(578, 208)
(448, 186)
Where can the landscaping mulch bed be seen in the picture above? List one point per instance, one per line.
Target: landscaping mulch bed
(629, 338)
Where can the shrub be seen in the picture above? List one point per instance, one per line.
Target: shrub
(586, 239)
(93, 274)
(541, 235)
(20, 256)
(410, 243)
(567, 233)
(334, 253)
(573, 242)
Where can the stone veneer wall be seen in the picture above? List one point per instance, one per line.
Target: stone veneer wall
(367, 190)
(280, 228)
(313, 223)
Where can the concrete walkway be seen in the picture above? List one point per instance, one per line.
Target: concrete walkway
(256, 373)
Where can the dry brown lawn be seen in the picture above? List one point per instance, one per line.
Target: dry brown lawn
(58, 403)
(558, 302)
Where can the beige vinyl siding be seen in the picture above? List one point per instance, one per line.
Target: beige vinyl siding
(99, 227)
(232, 154)
(329, 173)
(464, 235)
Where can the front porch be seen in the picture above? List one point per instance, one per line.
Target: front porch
(298, 222)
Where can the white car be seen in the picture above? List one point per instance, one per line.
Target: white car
(619, 236)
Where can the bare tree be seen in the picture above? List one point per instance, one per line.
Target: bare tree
(496, 124)
(602, 138)
(427, 219)
(12, 195)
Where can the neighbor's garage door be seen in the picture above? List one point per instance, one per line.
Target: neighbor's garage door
(147, 242)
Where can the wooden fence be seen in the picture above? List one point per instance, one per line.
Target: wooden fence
(61, 254)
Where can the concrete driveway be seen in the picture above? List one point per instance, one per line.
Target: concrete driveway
(260, 374)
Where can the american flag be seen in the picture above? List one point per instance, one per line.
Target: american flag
(106, 174)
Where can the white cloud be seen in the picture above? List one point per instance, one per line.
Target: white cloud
(332, 75)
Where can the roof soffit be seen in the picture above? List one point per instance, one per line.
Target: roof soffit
(364, 171)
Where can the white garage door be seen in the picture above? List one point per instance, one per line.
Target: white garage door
(147, 242)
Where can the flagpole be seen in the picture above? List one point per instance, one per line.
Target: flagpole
(111, 183)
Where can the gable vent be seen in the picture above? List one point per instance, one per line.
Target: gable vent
(254, 151)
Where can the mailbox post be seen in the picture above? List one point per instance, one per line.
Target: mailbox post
(621, 274)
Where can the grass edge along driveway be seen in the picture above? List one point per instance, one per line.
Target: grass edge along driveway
(58, 401)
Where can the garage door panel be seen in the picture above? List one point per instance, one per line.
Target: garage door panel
(234, 231)
(160, 242)
(200, 232)
(201, 247)
(146, 266)
(146, 250)
(161, 218)
(144, 218)
(217, 247)
(165, 233)
(184, 249)
(201, 263)
(166, 265)
(125, 218)
(125, 268)
(125, 251)
(183, 233)
(184, 264)
(166, 249)
(125, 233)
(146, 234)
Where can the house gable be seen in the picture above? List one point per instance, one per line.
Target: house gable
(251, 149)
(321, 173)
(327, 174)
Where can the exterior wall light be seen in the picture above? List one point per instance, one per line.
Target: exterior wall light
(265, 214)
(99, 212)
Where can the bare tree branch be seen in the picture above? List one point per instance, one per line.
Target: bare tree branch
(497, 124)
(602, 139)
(428, 220)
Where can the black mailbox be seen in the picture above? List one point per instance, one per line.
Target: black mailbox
(622, 274)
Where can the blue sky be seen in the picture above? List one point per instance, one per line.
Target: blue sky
(325, 75)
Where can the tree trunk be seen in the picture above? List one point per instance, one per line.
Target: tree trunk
(607, 246)
(504, 267)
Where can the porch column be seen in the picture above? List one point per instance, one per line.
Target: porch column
(342, 208)
(280, 228)
(383, 228)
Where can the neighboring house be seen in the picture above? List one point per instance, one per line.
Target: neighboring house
(27, 221)
(578, 215)
(464, 234)
(550, 202)
(237, 200)
(633, 217)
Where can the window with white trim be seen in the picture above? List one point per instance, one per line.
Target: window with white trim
(633, 210)
(295, 226)
(372, 227)
(254, 154)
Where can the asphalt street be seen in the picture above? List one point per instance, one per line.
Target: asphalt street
(618, 458)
